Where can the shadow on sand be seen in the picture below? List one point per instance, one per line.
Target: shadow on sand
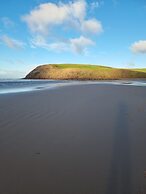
(119, 181)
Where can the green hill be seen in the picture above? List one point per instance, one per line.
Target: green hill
(83, 72)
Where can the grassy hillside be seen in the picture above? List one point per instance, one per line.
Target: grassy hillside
(65, 66)
(141, 70)
(83, 72)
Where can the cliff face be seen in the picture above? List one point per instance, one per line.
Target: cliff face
(41, 72)
(82, 72)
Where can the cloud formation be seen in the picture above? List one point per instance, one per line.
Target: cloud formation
(11, 43)
(96, 4)
(76, 45)
(92, 26)
(139, 47)
(48, 16)
(79, 45)
(45, 16)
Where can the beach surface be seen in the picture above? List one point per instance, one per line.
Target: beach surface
(80, 139)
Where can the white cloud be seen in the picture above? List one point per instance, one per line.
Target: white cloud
(61, 16)
(59, 46)
(40, 41)
(92, 26)
(47, 15)
(139, 47)
(96, 4)
(80, 44)
(44, 17)
(77, 45)
(12, 43)
(78, 9)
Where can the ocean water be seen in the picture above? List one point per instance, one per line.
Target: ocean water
(22, 85)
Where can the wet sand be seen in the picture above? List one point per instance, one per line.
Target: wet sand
(85, 139)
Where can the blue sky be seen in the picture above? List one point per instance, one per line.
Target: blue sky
(105, 32)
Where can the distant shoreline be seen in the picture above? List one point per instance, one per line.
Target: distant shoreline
(28, 85)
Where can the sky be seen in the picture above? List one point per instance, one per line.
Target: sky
(102, 32)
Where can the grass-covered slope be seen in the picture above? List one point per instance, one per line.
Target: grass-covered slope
(83, 72)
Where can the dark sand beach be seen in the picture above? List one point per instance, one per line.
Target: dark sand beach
(83, 139)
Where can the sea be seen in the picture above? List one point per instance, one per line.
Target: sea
(24, 85)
